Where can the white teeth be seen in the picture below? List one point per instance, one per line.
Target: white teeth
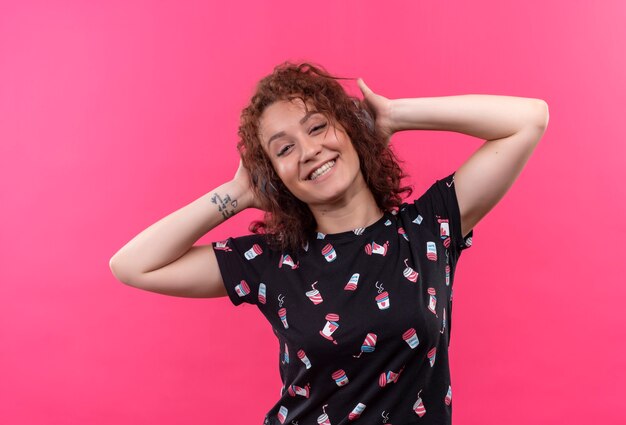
(322, 170)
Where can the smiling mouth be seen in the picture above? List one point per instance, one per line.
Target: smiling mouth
(322, 170)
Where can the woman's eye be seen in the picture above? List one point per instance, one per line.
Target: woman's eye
(319, 127)
(284, 150)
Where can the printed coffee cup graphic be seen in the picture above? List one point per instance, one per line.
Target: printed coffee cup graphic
(323, 418)
(369, 345)
(340, 378)
(282, 313)
(331, 326)
(356, 412)
(431, 356)
(389, 378)
(432, 304)
(282, 414)
(253, 252)
(295, 390)
(409, 273)
(286, 259)
(444, 228)
(286, 355)
(418, 407)
(431, 251)
(410, 337)
(374, 248)
(382, 300)
(352, 283)
(314, 295)
(242, 289)
(302, 356)
(329, 253)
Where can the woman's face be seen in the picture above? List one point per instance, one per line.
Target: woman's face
(315, 160)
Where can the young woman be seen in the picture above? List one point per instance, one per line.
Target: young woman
(356, 283)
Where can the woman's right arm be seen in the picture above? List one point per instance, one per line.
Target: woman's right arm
(162, 258)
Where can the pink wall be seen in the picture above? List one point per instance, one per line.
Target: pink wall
(114, 114)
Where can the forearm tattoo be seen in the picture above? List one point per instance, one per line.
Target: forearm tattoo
(225, 205)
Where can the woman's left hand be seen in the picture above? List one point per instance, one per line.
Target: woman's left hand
(381, 107)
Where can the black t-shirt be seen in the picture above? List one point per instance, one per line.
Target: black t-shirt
(362, 317)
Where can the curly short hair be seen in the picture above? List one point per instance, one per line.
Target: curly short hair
(288, 222)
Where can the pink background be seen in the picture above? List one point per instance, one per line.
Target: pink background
(116, 114)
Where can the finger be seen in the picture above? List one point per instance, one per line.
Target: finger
(363, 87)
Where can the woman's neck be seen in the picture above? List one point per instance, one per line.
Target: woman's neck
(358, 210)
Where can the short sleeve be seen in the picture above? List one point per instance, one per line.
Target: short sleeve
(242, 261)
(439, 209)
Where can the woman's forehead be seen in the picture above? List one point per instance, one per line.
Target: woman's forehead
(286, 108)
(282, 114)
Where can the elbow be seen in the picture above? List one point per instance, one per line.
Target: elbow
(115, 270)
(119, 272)
(541, 113)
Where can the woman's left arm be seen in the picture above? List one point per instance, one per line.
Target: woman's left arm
(510, 126)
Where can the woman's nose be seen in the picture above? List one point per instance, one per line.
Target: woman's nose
(310, 148)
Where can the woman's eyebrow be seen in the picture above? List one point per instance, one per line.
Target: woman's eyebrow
(282, 133)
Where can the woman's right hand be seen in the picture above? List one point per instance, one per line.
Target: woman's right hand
(382, 108)
(243, 180)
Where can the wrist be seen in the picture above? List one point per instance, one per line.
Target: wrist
(393, 116)
(242, 193)
(227, 199)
